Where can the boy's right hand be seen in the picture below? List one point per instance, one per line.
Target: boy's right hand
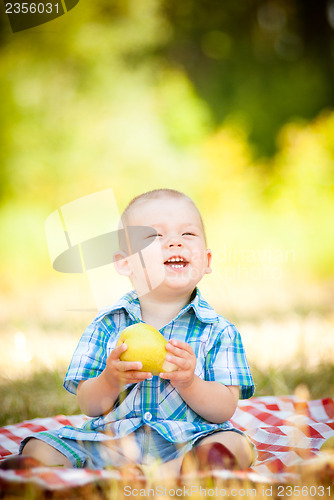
(124, 372)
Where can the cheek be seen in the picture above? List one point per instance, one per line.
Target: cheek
(199, 257)
(135, 263)
(152, 259)
(153, 254)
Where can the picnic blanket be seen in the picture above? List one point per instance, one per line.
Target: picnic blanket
(286, 432)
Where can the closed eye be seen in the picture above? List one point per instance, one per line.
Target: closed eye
(189, 234)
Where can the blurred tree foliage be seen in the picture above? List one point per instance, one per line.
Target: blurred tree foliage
(259, 62)
(229, 101)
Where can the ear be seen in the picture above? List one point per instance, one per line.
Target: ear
(208, 269)
(121, 263)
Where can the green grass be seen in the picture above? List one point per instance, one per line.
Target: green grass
(319, 381)
(42, 395)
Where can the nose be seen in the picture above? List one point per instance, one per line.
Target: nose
(174, 241)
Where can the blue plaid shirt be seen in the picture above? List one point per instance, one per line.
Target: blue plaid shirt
(155, 402)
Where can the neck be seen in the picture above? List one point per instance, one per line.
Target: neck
(157, 312)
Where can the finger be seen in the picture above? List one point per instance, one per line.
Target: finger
(125, 366)
(175, 351)
(135, 376)
(176, 376)
(182, 363)
(117, 351)
(182, 345)
(179, 351)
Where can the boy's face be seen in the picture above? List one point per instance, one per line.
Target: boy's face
(177, 258)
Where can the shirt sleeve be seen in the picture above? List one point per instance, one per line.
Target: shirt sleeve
(90, 357)
(226, 362)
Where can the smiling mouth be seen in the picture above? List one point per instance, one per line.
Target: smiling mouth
(176, 262)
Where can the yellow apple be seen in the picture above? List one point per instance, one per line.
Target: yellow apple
(146, 344)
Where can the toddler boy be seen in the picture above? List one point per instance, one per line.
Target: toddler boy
(175, 417)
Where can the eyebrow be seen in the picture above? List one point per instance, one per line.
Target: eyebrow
(183, 226)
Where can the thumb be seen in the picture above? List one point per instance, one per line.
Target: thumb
(118, 350)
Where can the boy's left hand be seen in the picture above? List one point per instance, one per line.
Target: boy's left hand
(182, 355)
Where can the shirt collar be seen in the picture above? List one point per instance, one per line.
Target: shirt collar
(130, 303)
(204, 312)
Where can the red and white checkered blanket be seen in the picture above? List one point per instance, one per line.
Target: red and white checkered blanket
(285, 431)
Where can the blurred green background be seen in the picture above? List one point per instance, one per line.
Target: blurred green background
(231, 102)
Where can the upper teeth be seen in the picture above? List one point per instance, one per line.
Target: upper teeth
(175, 259)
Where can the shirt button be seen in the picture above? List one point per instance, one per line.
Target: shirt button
(148, 416)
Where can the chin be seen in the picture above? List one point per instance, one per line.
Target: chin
(182, 288)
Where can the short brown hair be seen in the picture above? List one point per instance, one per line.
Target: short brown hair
(155, 194)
